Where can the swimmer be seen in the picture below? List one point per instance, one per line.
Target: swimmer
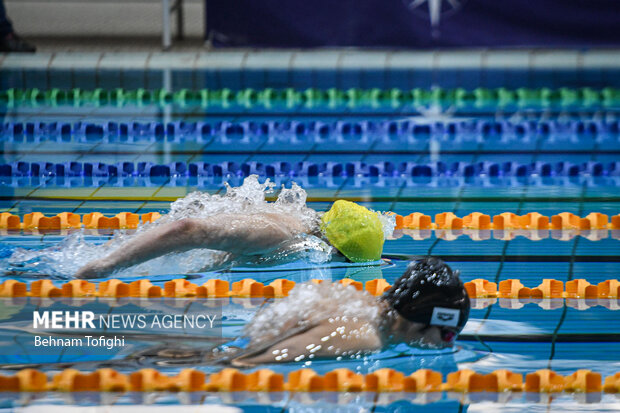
(426, 307)
(352, 229)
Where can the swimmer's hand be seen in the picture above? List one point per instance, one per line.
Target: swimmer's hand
(238, 234)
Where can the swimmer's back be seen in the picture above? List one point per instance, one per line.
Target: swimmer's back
(334, 337)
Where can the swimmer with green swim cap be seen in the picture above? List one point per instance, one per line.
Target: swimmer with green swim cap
(352, 229)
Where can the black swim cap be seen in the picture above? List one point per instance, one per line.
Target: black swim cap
(430, 293)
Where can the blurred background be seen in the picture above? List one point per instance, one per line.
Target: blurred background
(55, 24)
(474, 113)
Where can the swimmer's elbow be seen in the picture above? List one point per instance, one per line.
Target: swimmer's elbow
(189, 231)
(185, 226)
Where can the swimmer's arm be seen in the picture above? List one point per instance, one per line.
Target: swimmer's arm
(234, 233)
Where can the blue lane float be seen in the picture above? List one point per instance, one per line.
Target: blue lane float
(310, 169)
(181, 131)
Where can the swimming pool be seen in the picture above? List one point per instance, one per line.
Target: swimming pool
(513, 140)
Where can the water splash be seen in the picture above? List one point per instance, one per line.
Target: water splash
(311, 303)
(64, 259)
(388, 223)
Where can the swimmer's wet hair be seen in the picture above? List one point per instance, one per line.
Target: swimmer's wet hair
(429, 292)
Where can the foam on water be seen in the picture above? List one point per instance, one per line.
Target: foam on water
(308, 304)
(63, 260)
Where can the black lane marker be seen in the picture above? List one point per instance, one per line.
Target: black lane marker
(358, 199)
(336, 152)
(546, 338)
(513, 258)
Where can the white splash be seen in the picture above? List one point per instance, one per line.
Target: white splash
(63, 260)
(310, 303)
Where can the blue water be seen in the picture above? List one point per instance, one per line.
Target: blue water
(497, 337)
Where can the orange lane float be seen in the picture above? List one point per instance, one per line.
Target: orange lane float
(447, 220)
(278, 288)
(265, 380)
(414, 220)
(27, 380)
(247, 288)
(304, 380)
(377, 286)
(612, 384)
(123, 220)
(307, 380)
(180, 288)
(387, 380)
(12, 288)
(580, 288)
(544, 381)
(144, 288)
(150, 217)
(9, 221)
(350, 282)
(343, 380)
(476, 220)
(68, 220)
(425, 380)
(584, 381)
(609, 289)
(507, 380)
(44, 288)
(213, 288)
(78, 288)
(113, 288)
(71, 380)
(470, 381)
(480, 288)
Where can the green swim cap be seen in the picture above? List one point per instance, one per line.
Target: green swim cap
(354, 230)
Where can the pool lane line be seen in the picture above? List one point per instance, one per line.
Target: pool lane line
(81, 155)
(145, 202)
(398, 195)
(571, 266)
(505, 247)
(90, 196)
(348, 178)
(258, 152)
(193, 112)
(44, 181)
(571, 199)
(457, 202)
(516, 258)
(544, 338)
(336, 152)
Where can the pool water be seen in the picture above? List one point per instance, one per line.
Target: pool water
(521, 336)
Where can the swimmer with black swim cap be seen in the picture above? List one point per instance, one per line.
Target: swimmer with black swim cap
(431, 296)
(426, 307)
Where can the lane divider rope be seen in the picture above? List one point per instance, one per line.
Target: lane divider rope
(307, 380)
(180, 288)
(312, 169)
(331, 98)
(415, 221)
(497, 131)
